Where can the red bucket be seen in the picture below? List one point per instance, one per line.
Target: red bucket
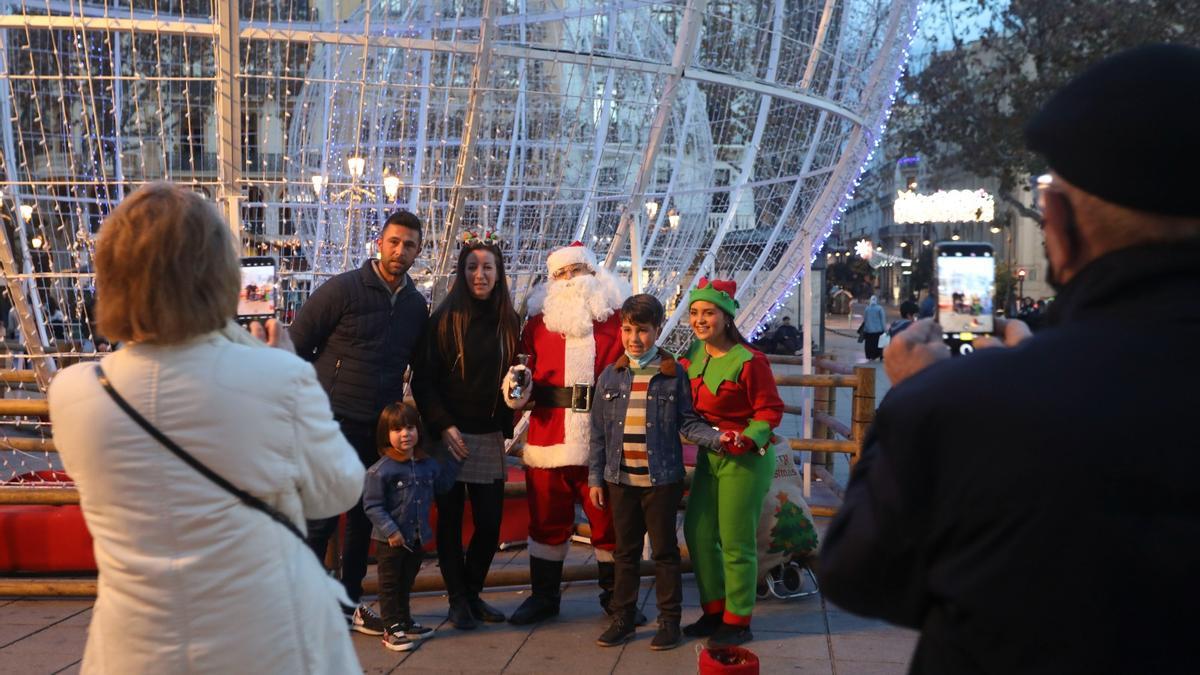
(728, 661)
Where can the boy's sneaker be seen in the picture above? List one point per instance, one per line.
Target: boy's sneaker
(395, 640)
(667, 637)
(365, 621)
(413, 630)
(620, 632)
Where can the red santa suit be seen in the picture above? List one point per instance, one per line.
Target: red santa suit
(568, 345)
(556, 452)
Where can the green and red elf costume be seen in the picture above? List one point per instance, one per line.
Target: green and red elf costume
(735, 392)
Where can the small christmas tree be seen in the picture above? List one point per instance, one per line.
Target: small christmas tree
(793, 533)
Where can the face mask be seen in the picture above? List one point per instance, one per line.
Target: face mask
(645, 359)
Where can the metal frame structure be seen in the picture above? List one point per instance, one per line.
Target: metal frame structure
(828, 86)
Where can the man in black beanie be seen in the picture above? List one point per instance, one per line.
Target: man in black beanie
(1036, 508)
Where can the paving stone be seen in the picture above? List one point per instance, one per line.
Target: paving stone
(871, 668)
(46, 651)
(564, 646)
(893, 645)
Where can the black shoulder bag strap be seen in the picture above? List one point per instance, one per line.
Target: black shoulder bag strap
(245, 497)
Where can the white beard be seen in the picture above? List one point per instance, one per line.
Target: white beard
(570, 307)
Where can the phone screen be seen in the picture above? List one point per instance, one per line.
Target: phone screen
(256, 297)
(966, 280)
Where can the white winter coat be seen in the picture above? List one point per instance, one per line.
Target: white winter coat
(192, 580)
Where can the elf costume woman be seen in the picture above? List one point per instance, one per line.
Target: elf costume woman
(733, 389)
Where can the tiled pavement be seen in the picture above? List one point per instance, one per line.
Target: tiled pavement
(797, 636)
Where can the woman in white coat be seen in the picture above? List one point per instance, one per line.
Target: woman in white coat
(191, 579)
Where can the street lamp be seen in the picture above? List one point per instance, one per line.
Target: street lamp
(26, 212)
(673, 218)
(955, 236)
(356, 166)
(391, 186)
(36, 241)
(651, 209)
(995, 229)
(318, 183)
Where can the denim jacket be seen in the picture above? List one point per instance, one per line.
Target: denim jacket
(669, 413)
(397, 496)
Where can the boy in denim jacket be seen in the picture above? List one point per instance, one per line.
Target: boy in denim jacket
(643, 403)
(397, 494)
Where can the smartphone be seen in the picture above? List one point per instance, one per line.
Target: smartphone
(259, 291)
(965, 278)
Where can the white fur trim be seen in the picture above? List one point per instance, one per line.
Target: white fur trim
(603, 556)
(610, 295)
(556, 552)
(560, 454)
(570, 255)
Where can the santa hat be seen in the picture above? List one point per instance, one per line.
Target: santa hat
(572, 254)
(720, 292)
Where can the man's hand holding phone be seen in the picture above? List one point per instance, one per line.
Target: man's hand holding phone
(1009, 333)
(914, 349)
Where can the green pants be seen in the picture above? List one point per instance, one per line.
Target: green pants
(721, 528)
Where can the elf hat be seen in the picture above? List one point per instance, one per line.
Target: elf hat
(572, 254)
(719, 292)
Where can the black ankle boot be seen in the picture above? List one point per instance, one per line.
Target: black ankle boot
(460, 614)
(483, 611)
(545, 578)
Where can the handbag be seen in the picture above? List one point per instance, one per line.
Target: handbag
(861, 335)
(245, 497)
(884, 340)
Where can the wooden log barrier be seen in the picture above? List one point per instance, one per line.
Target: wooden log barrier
(427, 581)
(24, 407)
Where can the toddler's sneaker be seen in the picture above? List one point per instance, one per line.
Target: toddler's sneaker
(365, 621)
(395, 640)
(413, 630)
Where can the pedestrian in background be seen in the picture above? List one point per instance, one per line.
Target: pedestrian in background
(873, 325)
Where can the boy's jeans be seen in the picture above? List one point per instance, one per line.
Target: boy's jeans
(398, 569)
(637, 511)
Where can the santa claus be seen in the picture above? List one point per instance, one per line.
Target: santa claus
(573, 332)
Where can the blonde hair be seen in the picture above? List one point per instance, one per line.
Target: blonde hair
(166, 269)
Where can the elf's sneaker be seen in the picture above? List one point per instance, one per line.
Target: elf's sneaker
(729, 635)
(706, 626)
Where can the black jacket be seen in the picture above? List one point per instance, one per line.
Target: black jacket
(1037, 509)
(472, 402)
(359, 340)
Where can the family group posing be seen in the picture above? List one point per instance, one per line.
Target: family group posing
(607, 408)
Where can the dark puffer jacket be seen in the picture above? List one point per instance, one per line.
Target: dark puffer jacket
(359, 340)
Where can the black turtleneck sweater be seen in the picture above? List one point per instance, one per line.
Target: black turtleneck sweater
(468, 398)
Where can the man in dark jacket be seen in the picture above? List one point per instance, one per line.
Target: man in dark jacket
(1036, 509)
(359, 330)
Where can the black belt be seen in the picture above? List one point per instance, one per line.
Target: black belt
(578, 398)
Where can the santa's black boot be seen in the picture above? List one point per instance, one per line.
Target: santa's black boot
(606, 577)
(545, 576)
